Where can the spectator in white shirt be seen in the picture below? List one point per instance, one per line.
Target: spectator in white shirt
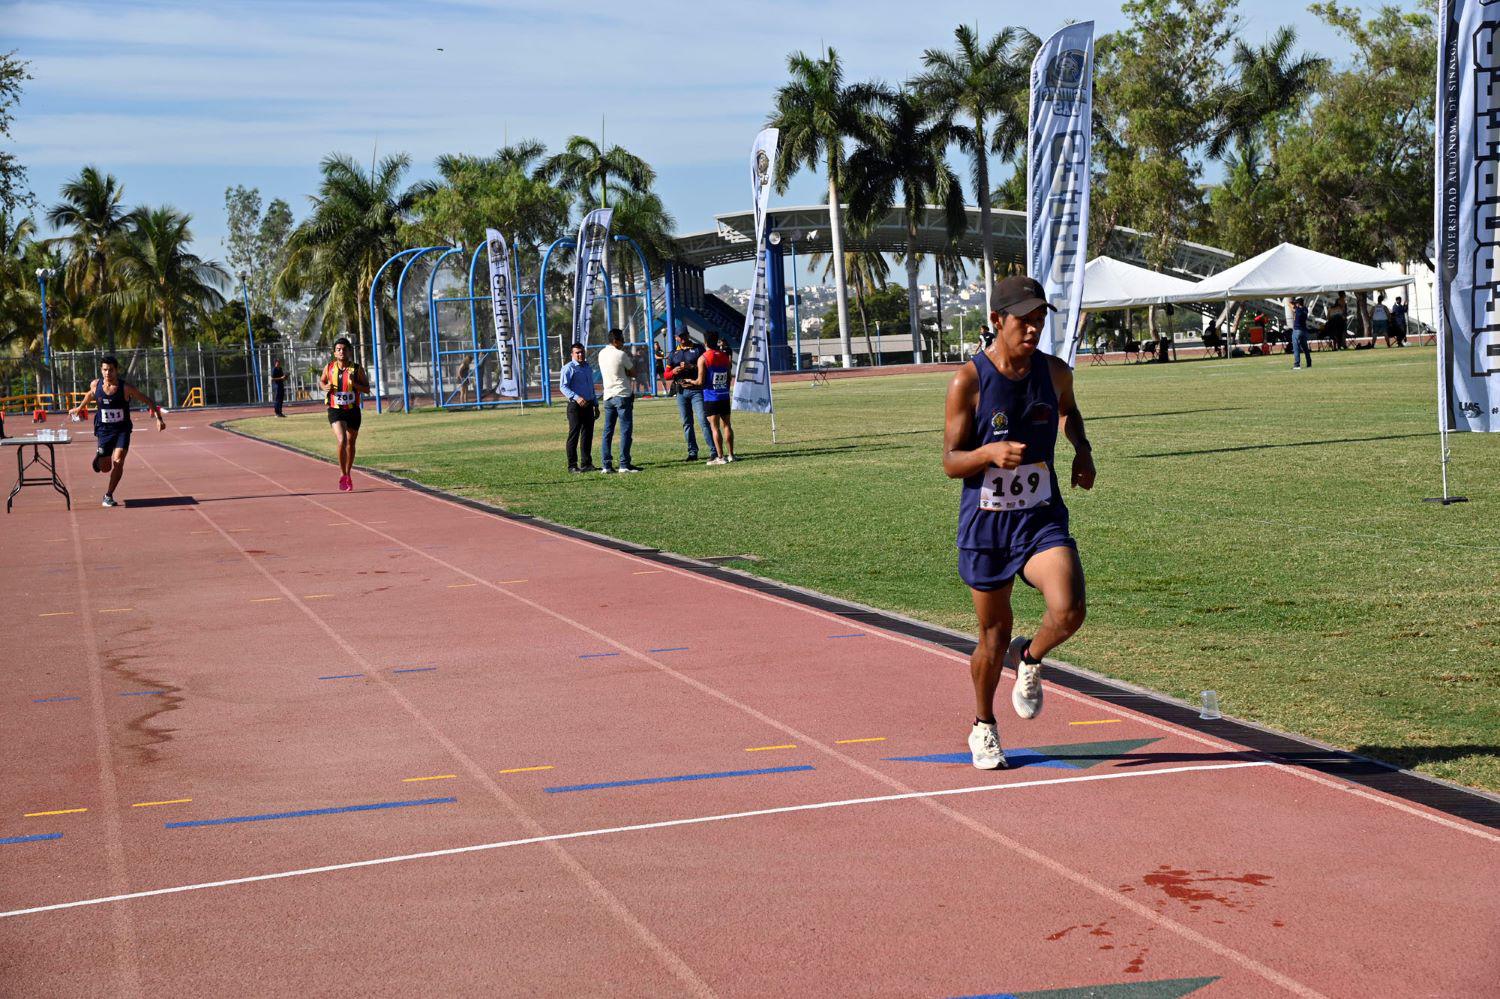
(617, 369)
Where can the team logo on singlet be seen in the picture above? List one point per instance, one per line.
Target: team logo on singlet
(999, 422)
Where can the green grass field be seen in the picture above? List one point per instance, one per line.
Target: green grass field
(1254, 530)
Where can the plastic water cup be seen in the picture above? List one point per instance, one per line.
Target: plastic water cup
(1210, 710)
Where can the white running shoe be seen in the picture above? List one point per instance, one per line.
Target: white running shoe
(984, 747)
(716, 461)
(108, 500)
(1026, 695)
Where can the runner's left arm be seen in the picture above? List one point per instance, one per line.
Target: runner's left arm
(134, 393)
(1072, 426)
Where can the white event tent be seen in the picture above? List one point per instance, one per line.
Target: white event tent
(1110, 284)
(1288, 270)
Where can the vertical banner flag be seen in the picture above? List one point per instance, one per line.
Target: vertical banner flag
(593, 257)
(1468, 215)
(752, 373)
(1057, 179)
(502, 304)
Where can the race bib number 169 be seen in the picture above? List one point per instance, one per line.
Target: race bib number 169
(1016, 488)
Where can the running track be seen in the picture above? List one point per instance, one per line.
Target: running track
(265, 738)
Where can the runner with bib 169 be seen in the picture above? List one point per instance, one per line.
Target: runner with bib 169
(1004, 409)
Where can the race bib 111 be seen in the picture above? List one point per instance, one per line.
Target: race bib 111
(1019, 488)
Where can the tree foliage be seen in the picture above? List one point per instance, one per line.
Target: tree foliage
(13, 192)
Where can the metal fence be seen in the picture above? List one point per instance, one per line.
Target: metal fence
(226, 376)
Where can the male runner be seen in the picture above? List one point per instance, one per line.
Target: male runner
(345, 381)
(111, 398)
(1003, 413)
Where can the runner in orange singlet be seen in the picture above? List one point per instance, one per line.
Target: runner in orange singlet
(345, 382)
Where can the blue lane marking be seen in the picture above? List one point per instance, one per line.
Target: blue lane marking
(857, 634)
(29, 839)
(48, 700)
(415, 669)
(142, 693)
(681, 648)
(680, 777)
(342, 676)
(1016, 758)
(310, 811)
(598, 655)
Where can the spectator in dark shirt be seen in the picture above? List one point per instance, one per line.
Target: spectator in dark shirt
(278, 387)
(682, 366)
(1299, 334)
(1398, 322)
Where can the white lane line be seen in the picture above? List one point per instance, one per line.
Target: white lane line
(640, 827)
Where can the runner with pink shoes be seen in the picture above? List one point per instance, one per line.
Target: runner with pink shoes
(345, 382)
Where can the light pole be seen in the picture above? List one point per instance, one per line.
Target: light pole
(43, 274)
(250, 338)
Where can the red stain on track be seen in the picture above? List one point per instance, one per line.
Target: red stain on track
(1186, 886)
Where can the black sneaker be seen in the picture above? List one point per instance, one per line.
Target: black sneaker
(630, 468)
(606, 470)
(574, 470)
(588, 468)
(691, 457)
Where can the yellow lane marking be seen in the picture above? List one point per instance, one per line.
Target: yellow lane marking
(238, 530)
(524, 770)
(148, 804)
(263, 600)
(377, 522)
(56, 614)
(845, 742)
(315, 596)
(1105, 721)
(762, 749)
(410, 780)
(60, 811)
(202, 532)
(115, 610)
(461, 586)
(501, 582)
(343, 523)
(57, 539)
(647, 572)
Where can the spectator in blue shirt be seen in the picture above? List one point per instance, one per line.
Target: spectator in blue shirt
(1299, 334)
(577, 383)
(682, 366)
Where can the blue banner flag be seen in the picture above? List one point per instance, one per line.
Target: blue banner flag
(1057, 179)
(1467, 215)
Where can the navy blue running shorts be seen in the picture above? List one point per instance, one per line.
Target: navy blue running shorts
(987, 569)
(111, 441)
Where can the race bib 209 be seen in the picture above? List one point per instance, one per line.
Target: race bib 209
(343, 400)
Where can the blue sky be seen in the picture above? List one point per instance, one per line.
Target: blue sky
(180, 100)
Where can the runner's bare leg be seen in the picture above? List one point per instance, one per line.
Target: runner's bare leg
(993, 608)
(1058, 574)
(116, 469)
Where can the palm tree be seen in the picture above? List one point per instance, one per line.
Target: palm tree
(20, 313)
(1269, 85)
(90, 207)
(516, 156)
(646, 220)
(159, 280)
(353, 229)
(865, 270)
(988, 82)
(906, 160)
(816, 112)
(585, 166)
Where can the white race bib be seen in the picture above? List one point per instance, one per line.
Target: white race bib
(343, 400)
(721, 380)
(111, 416)
(1016, 488)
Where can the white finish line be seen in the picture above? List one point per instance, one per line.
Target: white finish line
(587, 833)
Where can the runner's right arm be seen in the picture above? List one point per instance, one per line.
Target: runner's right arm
(958, 426)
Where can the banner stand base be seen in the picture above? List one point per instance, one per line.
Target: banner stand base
(1445, 500)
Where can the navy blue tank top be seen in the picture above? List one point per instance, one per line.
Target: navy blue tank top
(1023, 412)
(111, 409)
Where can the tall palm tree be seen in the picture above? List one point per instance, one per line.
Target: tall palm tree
(1270, 83)
(906, 160)
(20, 311)
(90, 208)
(353, 229)
(867, 272)
(816, 111)
(988, 82)
(585, 166)
(159, 280)
(520, 155)
(646, 220)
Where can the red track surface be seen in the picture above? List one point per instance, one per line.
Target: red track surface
(1179, 858)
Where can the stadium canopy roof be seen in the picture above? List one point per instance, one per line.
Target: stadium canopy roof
(1110, 284)
(1289, 269)
(806, 227)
